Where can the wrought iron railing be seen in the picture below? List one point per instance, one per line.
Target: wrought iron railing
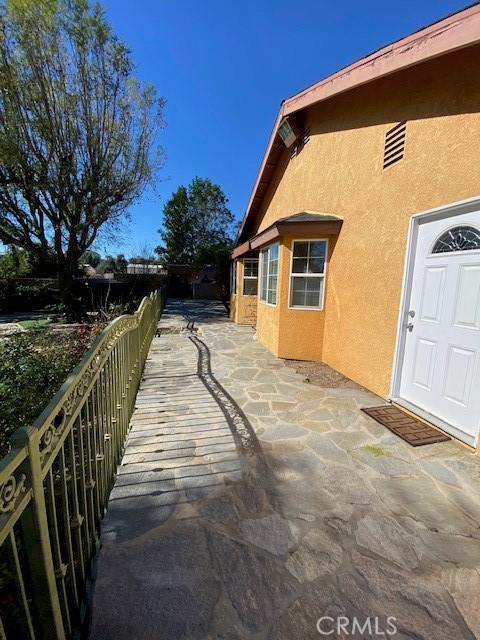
(55, 482)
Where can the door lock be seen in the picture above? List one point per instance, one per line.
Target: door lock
(409, 326)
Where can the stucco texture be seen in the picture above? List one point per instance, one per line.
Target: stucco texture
(340, 171)
(243, 309)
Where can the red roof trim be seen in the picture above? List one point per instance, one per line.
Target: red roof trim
(456, 31)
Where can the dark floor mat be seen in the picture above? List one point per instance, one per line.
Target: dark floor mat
(402, 424)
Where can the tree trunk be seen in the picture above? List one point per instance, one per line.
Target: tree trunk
(65, 285)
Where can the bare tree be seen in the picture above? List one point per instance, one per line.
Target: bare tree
(77, 130)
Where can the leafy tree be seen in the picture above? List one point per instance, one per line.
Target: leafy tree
(109, 264)
(121, 263)
(92, 258)
(210, 217)
(177, 232)
(77, 131)
(14, 263)
(219, 257)
(194, 218)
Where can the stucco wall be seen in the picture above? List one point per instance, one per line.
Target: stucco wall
(340, 171)
(243, 309)
(307, 343)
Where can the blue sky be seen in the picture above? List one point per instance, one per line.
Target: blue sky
(225, 65)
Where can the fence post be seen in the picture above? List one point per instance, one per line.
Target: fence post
(37, 543)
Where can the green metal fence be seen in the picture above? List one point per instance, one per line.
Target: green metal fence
(55, 482)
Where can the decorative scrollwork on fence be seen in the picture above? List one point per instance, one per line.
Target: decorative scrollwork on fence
(76, 393)
(10, 490)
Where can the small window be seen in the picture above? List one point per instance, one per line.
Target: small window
(269, 274)
(250, 276)
(233, 277)
(307, 280)
(462, 238)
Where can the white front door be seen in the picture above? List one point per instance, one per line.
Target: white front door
(441, 364)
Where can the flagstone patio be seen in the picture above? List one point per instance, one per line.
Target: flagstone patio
(249, 504)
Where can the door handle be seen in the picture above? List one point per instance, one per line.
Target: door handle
(410, 326)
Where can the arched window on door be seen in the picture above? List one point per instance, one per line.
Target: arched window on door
(461, 238)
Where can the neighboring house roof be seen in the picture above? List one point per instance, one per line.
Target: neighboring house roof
(456, 31)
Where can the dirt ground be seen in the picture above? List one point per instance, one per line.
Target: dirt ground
(321, 375)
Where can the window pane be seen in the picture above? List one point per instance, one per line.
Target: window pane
(233, 278)
(318, 248)
(269, 270)
(300, 249)
(300, 265)
(250, 268)
(312, 300)
(299, 284)
(250, 287)
(272, 282)
(316, 265)
(313, 284)
(306, 291)
(298, 299)
(263, 291)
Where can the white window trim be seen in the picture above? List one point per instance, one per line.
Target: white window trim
(260, 268)
(244, 277)
(308, 275)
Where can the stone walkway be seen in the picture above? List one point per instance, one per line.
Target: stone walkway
(250, 504)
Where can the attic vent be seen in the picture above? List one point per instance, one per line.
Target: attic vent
(394, 144)
(305, 137)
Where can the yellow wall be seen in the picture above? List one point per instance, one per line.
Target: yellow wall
(306, 343)
(340, 172)
(243, 309)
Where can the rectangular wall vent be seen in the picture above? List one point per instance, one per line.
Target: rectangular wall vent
(394, 144)
(306, 136)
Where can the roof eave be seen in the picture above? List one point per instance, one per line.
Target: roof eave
(455, 32)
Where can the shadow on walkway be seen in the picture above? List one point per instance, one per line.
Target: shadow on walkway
(248, 505)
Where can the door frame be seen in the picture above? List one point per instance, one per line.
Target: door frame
(438, 213)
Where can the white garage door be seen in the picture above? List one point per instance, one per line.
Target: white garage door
(441, 364)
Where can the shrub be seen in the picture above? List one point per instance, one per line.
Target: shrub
(25, 297)
(34, 366)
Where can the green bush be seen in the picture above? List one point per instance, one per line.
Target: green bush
(25, 297)
(34, 366)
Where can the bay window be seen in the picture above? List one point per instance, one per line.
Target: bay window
(307, 278)
(269, 274)
(233, 277)
(250, 276)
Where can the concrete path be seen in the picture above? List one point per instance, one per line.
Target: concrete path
(250, 504)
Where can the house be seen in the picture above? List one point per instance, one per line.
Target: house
(143, 268)
(360, 245)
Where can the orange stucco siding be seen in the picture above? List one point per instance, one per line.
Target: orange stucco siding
(306, 344)
(340, 172)
(243, 309)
